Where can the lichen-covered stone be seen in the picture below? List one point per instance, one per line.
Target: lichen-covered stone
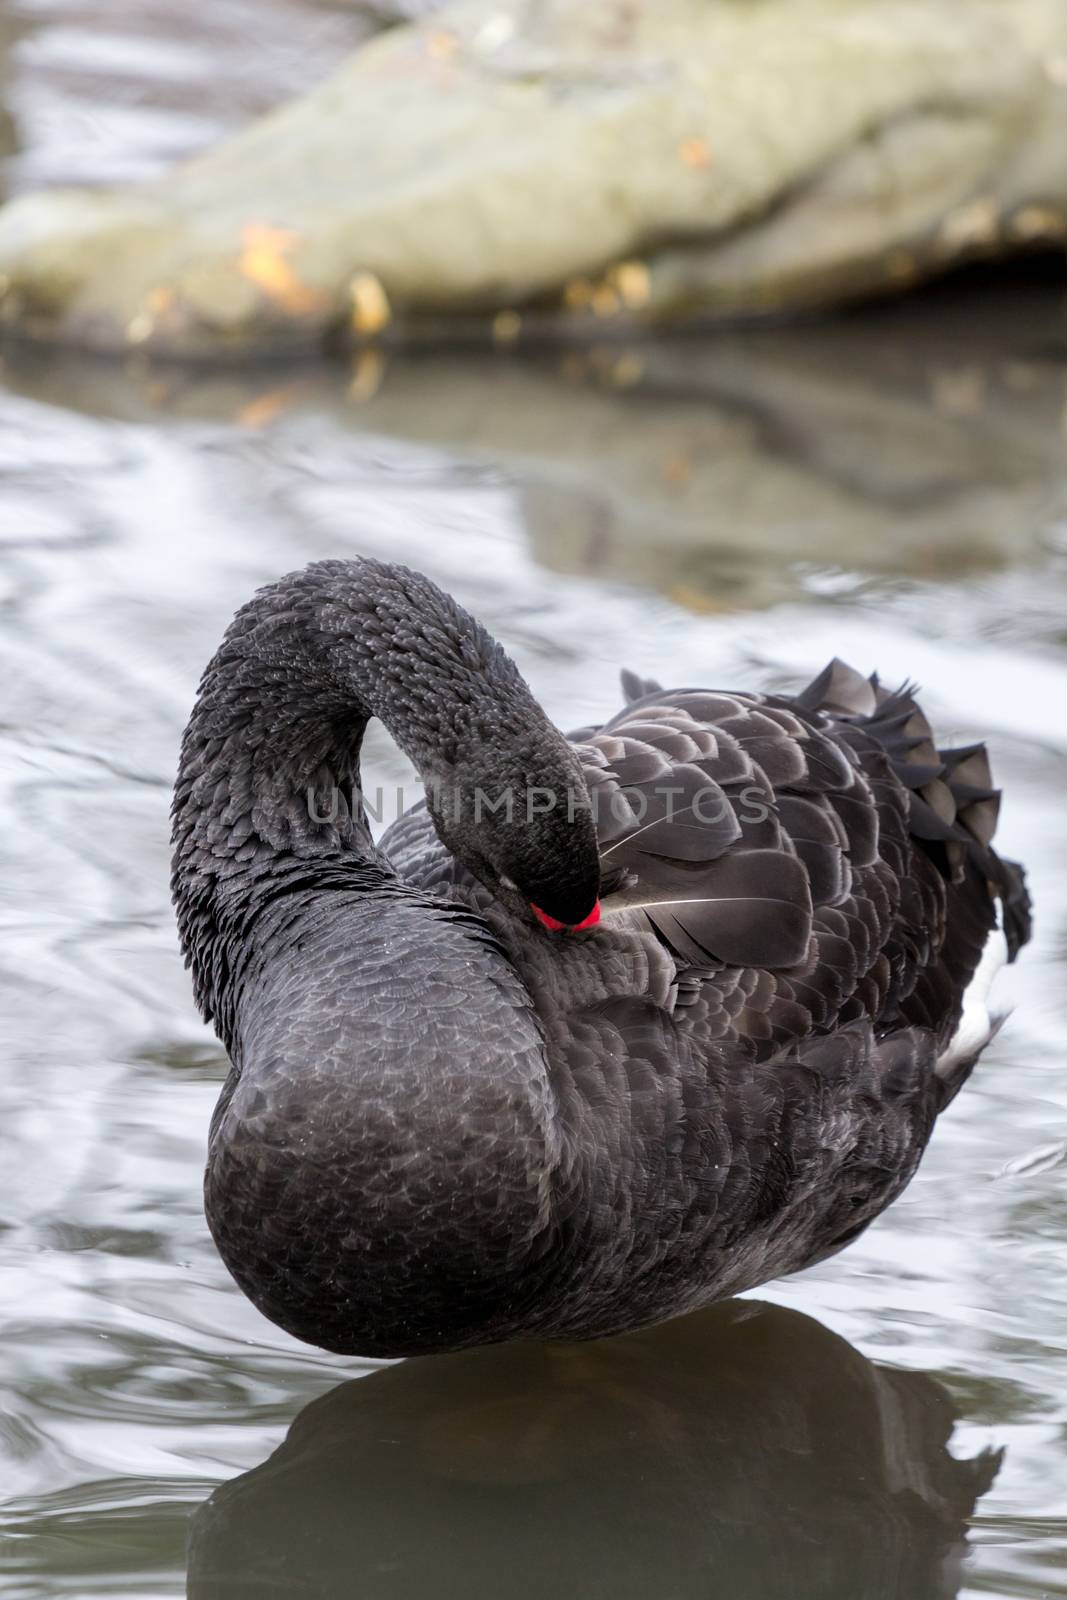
(549, 167)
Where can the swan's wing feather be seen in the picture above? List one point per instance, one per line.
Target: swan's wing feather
(808, 861)
(634, 687)
(715, 822)
(821, 838)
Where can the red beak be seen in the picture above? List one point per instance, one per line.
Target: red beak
(567, 927)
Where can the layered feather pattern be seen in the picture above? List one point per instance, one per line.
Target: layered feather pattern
(821, 839)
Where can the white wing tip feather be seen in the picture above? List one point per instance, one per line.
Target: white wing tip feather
(977, 1025)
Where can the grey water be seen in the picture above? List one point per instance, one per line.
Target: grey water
(890, 486)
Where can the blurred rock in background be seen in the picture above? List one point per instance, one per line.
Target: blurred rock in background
(509, 168)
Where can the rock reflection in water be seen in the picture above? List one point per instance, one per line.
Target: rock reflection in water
(924, 441)
(745, 1451)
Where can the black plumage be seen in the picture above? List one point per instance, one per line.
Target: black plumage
(446, 1126)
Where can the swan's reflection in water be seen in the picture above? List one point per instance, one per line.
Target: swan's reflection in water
(744, 1452)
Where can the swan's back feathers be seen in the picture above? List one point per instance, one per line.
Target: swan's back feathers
(805, 861)
(821, 838)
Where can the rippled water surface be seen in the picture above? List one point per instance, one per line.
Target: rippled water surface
(892, 488)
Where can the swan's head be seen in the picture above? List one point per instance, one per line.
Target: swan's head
(530, 838)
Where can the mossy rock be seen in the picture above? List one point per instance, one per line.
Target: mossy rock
(510, 168)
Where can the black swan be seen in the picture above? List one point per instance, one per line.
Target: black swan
(608, 1027)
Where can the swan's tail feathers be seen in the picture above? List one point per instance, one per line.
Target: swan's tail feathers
(953, 805)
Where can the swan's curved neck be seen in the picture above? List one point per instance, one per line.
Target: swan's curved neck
(271, 752)
(283, 705)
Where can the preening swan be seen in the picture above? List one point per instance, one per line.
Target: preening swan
(611, 1026)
